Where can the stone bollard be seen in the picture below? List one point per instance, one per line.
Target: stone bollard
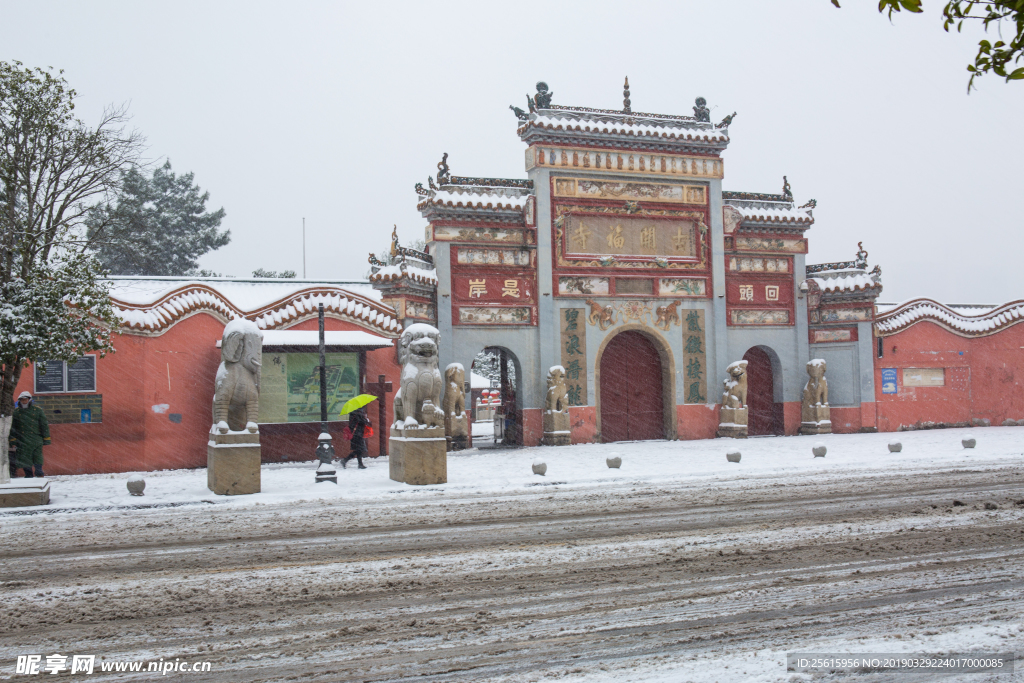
(819, 450)
(969, 442)
(539, 467)
(733, 455)
(895, 447)
(136, 485)
(614, 462)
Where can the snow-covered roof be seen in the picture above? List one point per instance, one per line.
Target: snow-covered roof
(478, 381)
(395, 272)
(846, 281)
(311, 338)
(475, 198)
(772, 212)
(582, 123)
(956, 320)
(153, 305)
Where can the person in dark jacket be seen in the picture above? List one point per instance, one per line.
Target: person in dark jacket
(29, 433)
(357, 422)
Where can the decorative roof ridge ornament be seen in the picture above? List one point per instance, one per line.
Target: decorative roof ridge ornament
(422, 191)
(753, 196)
(520, 114)
(725, 123)
(522, 183)
(862, 256)
(398, 250)
(700, 110)
(787, 191)
(860, 262)
(618, 113)
(442, 170)
(542, 100)
(626, 109)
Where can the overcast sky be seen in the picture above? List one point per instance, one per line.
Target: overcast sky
(333, 111)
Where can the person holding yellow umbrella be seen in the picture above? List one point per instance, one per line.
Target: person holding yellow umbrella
(358, 424)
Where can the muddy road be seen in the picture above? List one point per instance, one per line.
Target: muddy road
(585, 582)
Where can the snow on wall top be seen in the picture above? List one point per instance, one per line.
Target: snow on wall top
(154, 305)
(247, 293)
(990, 321)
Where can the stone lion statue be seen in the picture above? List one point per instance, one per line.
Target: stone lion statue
(454, 403)
(419, 399)
(558, 396)
(816, 390)
(236, 397)
(735, 394)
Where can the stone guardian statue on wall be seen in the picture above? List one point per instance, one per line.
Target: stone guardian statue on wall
(732, 419)
(815, 415)
(556, 423)
(418, 442)
(456, 424)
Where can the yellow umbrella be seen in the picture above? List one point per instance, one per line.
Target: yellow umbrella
(357, 402)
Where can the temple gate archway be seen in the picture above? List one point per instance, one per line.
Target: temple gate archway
(764, 392)
(635, 386)
(509, 375)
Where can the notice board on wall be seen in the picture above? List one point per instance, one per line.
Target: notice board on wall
(290, 385)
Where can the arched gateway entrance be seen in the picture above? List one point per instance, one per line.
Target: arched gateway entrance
(502, 367)
(632, 390)
(764, 414)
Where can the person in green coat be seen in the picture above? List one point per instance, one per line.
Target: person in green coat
(29, 433)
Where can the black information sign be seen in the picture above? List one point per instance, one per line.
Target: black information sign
(82, 374)
(49, 376)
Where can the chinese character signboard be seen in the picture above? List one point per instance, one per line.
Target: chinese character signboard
(631, 236)
(514, 287)
(759, 292)
(695, 371)
(573, 325)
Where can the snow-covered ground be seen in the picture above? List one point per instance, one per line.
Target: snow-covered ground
(679, 566)
(498, 471)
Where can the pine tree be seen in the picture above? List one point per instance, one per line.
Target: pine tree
(158, 225)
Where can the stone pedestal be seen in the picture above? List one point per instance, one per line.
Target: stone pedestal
(418, 456)
(25, 492)
(815, 420)
(733, 422)
(233, 463)
(556, 428)
(458, 432)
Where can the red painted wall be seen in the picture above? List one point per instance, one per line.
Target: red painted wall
(583, 424)
(176, 368)
(696, 421)
(984, 377)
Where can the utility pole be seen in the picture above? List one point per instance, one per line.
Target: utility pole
(303, 247)
(325, 447)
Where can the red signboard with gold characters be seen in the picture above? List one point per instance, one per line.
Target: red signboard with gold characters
(510, 287)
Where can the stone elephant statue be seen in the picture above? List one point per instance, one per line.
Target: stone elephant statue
(236, 398)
